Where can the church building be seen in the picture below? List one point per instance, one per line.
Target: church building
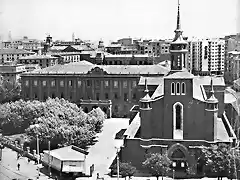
(184, 113)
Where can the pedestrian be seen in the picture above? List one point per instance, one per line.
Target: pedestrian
(18, 166)
(97, 175)
(29, 160)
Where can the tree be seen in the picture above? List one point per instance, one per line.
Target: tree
(157, 164)
(9, 91)
(59, 121)
(219, 161)
(125, 169)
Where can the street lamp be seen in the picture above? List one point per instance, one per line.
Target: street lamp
(117, 162)
(38, 156)
(49, 161)
(174, 165)
(1, 148)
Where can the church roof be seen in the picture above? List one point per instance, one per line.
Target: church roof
(182, 75)
(206, 80)
(230, 96)
(179, 40)
(146, 98)
(198, 82)
(222, 134)
(133, 127)
(159, 91)
(199, 92)
(150, 80)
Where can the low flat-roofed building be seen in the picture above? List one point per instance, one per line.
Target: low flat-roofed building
(32, 67)
(11, 55)
(84, 82)
(12, 72)
(69, 159)
(129, 59)
(67, 57)
(43, 60)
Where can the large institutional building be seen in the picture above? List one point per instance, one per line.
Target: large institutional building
(184, 113)
(111, 87)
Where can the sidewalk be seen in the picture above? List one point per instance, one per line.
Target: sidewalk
(8, 167)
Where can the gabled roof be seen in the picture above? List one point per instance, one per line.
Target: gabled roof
(159, 91)
(133, 127)
(39, 57)
(135, 69)
(206, 80)
(14, 51)
(182, 75)
(68, 153)
(222, 134)
(199, 92)
(230, 96)
(79, 68)
(151, 81)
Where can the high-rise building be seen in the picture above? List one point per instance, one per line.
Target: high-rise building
(232, 67)
(207, 56)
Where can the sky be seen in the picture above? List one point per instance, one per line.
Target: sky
(113, 19)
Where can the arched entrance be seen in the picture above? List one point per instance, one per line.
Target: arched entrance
(85, 110)
(94, 107)
(178, 153)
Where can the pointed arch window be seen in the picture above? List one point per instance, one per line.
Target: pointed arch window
(178, 88)
(178, 116)
(183, 88)
(172, 88)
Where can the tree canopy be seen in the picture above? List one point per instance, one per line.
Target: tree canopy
(58, 120)
(220, 161)
(157, 164)
(126, 169)
(9, 91)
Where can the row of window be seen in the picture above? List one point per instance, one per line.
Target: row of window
(178, 88)
(116, 96)
(79, 83)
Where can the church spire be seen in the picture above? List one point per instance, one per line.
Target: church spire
(212, 97)
(178, 31)
(146, 97)
(178, 48)
(212, 90)
(178, 18)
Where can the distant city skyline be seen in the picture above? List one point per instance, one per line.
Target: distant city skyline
(114, 19)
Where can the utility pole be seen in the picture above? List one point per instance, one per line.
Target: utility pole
(38, 156)
(49, 161)
(1, 148)
(117, 164)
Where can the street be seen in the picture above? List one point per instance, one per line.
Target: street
(8, 167)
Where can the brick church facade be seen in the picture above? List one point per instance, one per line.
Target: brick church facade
(184, 113)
